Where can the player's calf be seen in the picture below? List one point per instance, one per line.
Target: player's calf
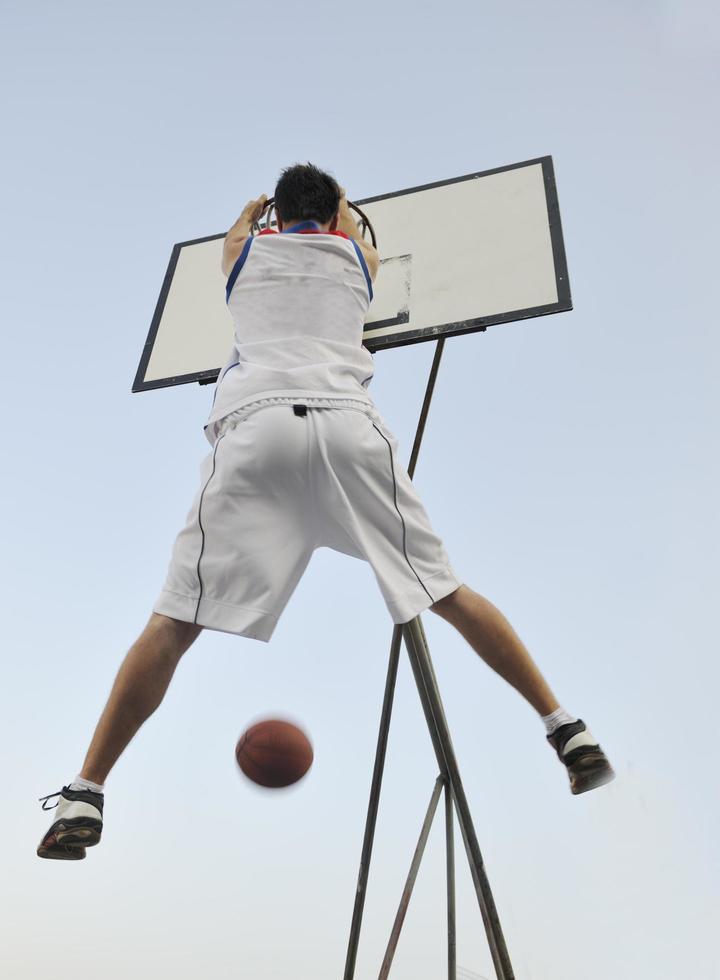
(491, 636)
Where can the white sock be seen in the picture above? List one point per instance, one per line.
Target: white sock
(556, 719)
(80, 784)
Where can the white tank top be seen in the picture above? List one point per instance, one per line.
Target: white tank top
(298, 301)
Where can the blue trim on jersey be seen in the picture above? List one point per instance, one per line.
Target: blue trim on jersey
(301, 226)
(363, 263)
(237, 267)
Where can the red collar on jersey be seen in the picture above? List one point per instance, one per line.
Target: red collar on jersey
(303, 228)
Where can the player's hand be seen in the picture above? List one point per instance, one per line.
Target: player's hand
(253, 210)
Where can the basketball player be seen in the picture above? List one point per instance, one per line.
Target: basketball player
(300, 459)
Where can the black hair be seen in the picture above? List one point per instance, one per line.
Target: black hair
(306, 193)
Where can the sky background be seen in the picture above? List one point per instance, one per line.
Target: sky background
(569, 464)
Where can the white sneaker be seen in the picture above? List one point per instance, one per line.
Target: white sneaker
(78, 824)
(586, 762)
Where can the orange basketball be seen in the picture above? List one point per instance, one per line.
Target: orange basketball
(274, 753)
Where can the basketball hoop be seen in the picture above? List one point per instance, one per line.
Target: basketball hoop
(266, 220)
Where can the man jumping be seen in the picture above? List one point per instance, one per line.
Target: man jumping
(300, 459)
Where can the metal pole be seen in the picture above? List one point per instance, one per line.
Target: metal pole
(450, 861)
(425, 406)
(426, 681)
(437, 723)
(371, 818)
(410, 883)
(380, 752)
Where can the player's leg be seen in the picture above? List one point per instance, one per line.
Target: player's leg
(377, 514)
(140, 685)
(491, 636)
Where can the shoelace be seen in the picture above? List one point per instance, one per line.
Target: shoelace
(44, 799)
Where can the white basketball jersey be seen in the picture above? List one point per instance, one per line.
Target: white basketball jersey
(298, 299)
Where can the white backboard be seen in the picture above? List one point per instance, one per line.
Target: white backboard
(456, 256)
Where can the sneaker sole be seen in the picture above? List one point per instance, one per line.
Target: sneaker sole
(61, 852)
(79, 836)
(590, 772)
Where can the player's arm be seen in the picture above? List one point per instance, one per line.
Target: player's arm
(349, 227)
(240, 232)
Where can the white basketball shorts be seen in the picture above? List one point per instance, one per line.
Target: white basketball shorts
(282, 481)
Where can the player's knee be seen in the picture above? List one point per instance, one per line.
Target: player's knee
(181, 632)
(449, 602)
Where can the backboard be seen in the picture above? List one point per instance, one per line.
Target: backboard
(456, 256)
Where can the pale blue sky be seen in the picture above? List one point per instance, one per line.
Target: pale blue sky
(570, 465)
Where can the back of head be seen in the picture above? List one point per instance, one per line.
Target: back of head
(306, 193)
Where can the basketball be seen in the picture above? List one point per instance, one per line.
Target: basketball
(274, 753)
